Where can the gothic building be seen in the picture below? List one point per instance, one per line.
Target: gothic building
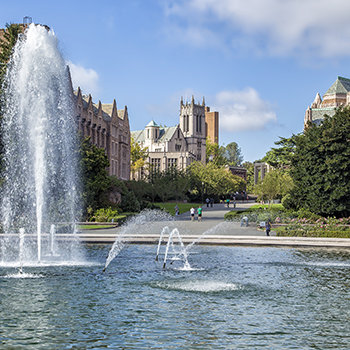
(108, 128)
(177, 145)
(337, 95)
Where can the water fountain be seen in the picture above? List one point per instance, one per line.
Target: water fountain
(40, 158)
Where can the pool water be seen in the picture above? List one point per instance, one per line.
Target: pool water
(230, 298)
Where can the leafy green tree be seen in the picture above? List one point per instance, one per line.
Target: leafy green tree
(320, 167)
(250, 176)
(6, 47)
(216, 180)
(215, 153)
(138, 157)
(233, 154)
(95, 180)
(276, 184)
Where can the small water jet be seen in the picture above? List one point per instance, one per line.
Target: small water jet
(183, 253)
(40, 141)
(136, 225)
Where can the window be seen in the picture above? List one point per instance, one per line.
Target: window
(155, 162)
(172, 162)
(177, 148)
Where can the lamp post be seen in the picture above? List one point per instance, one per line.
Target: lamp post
(202, 192)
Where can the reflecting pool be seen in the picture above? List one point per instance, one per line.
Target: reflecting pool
(230, 298)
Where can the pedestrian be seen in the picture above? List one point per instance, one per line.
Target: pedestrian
(176, 210)
(268, 228)
(228, 202)
(199, 211)
(211, 202)
(207, 201)
(192, 213)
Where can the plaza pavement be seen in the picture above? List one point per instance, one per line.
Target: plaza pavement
(212, 230)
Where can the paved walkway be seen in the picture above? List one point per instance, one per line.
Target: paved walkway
(212, 230)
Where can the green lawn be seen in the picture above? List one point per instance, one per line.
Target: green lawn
(183, 207)
(93, 227)
(263, 206)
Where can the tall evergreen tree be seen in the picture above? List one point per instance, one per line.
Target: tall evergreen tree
(320, 167)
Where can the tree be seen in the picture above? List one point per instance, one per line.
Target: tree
(233, 154)
(250, 175)
(281, 157)
(170, 183)
(276, 184)
(217, 181)
(95, 180)
(320, 167)
(6, 47)
(138, 157)
(215, 153)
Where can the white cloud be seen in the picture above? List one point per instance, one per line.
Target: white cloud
(242, 110)
(274, 27)
(85, 78)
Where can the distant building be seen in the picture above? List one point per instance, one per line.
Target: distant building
(108, 128)
(177, 145)
(337, 95)
(239, 171)
(212, 125)
(260, 170)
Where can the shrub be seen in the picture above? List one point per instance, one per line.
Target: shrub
(130, 203)
(308, 215)
(104, 215)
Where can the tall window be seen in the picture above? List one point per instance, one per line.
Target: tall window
(155, 162)
(172, 162)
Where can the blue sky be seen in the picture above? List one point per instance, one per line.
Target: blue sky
(258, 63)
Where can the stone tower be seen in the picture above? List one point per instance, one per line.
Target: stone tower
(192, 124)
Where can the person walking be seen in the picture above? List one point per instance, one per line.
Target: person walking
(268, 228)
(207, 201)
(192, 213)
(199, 212)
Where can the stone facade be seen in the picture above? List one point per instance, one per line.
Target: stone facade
(337, 95)
(108, 128)
(263, 169)
(178, 145)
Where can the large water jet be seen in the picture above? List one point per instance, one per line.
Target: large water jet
(39, 136)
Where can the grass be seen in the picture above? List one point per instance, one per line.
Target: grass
(93, 227)
(266, 206)
(183, 207)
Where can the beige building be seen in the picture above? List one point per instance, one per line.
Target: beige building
(177, 145)
(260, 170)
(108, 128)
(337, 95)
